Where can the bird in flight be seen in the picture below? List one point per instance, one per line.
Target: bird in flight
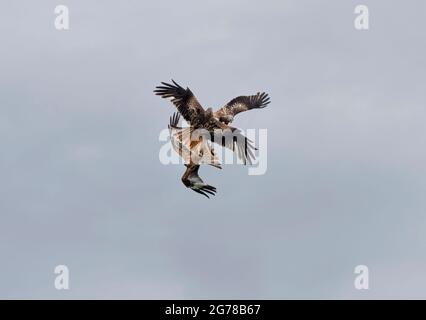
(210, 127)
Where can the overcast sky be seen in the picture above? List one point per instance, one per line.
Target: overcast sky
(81, 183)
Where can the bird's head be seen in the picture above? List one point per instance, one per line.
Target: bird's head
(209, 113)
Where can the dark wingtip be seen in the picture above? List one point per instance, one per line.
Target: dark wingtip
(176, 84)
(201, 192)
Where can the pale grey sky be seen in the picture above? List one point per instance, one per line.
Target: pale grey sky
(82, 185)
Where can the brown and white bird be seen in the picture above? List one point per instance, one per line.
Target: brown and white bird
(215, 128)
(193, 152)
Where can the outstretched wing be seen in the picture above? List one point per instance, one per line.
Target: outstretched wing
(192, 180)
(233, 139)
(183, 99)
(243, 103)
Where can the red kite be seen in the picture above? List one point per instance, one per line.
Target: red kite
(214, 126)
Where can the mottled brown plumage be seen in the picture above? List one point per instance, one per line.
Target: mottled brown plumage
(240, 104)
(206, 126)
(216, 123)
(193, 153)
(185, 101)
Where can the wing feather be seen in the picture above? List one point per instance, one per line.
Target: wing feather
(192, 180)
(243, 103)
(230, 137)
(184, 100)
(194, 151)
